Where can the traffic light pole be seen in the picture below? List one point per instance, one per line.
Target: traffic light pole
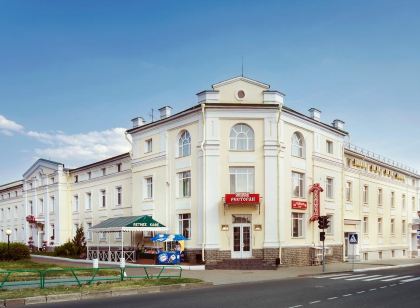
(323, 254)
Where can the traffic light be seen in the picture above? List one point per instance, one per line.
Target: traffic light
(322, 236)
(321, 222)
(326, 222)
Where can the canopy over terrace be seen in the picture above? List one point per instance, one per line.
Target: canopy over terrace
(122, 224)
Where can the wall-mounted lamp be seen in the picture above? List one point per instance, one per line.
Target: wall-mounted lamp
(225, 228)
(257, 227)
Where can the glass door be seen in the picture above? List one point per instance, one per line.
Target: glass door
(241, 241)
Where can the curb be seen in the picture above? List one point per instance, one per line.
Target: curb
(384, 267)
(67, 297)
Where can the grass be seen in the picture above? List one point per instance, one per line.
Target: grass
(99, 286)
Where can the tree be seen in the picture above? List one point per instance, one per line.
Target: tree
(79, 242)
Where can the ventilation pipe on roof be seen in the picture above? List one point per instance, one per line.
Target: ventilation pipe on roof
(165, 112)
(338, 124)
(315, 114)
(137, 122)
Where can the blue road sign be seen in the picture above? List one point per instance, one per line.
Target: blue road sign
(353, 238)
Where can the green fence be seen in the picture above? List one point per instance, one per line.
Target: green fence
(80, 276)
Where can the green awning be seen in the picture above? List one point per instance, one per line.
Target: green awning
(129, 223)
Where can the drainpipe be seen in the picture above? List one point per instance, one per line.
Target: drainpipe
(203, 106)
(278, 185)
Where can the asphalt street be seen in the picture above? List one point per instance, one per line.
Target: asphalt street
(385, 288)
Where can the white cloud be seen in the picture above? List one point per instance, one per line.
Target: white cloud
(81, 148)
(8, 127)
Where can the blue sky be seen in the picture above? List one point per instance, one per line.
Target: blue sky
(73, 73)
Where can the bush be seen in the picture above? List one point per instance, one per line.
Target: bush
(68, 249)
(79, 242)
(17, 251)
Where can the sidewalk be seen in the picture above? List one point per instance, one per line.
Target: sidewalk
(239, 276)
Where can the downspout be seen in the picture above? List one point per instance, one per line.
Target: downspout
(203, 106)
(278, 183)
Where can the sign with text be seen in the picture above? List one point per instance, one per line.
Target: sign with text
(242, 198)
(299, 205)
(316, 191)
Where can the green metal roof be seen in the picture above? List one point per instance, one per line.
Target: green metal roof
(128, 223)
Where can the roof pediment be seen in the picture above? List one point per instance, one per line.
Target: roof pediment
(42, 166)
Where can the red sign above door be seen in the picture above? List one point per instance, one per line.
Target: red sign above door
(242, 198)
(299, 205)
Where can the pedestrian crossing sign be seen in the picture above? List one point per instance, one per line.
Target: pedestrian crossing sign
(353, 238)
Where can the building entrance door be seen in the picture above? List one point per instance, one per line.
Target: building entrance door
(241, 237)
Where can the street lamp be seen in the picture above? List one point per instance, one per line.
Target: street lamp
(8, 233)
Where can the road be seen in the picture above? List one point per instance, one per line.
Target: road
(385, 288)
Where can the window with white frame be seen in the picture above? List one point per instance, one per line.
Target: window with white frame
(148, 185)
(403, 200)
(102, 194)
(298, 184)
(330, 229)
(75, 203)
(403, 227)
(365, 225)
(88, 201)
(89, 175)
(184, 225)
(31, 207)
(88, 231)
(365, 194)
(148, 145)
(349, 190)
(298, 145)
(241, 138)
(380, 196)
(330, 188)
(184, 144)
(392, 226)
(413, 203)
(119, 167)
(41, 206)
(242, 179)
(330, 147)
(52, 204)
(118, 235)
(102, 236)
(118, 192)
(52, 232)
(184, 184)
(392, 199)
(297, 225)
(380, 225)
(103, 171)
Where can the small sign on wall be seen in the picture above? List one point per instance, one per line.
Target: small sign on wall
(299, 205)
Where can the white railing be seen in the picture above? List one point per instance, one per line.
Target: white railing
(380, 158)
(110, 255)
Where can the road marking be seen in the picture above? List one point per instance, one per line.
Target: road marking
(393, 285)
(331, 298)
(345, 295)
(397, 278)
(383, 287)
(363, 277)
(314, 302)
(333, 275)
(360, 292)
(296, 306)
(373, 289)
(410, 280)
(380, 277)
(344, 277)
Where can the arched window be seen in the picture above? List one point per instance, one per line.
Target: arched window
(298, 145)
(184, 144)
(241, 138)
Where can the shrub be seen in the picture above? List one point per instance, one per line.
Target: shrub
(79, 242)
(17, 251)
(68, 249)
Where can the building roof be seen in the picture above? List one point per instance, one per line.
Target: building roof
(129, 223)
(101, 162)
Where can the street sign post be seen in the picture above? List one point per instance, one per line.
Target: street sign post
(353, 240)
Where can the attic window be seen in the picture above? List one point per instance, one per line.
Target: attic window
(240, 94)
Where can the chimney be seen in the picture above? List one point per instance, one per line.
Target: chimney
(315, 114)
(338, 124)
(165, 112)
(139, 121)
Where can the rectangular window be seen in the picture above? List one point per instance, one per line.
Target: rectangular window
(349, 191)
(365, 194)
(403, 202)
(413, 203)
(330, 229)
(118, 236)
(52, 232)
(118, 191)
(365, 225)
(89, 175)
(88, 202)
(88, 232)
(184, 221)
(380, 196)
(103, 198)
(241, 179)
(102, 236)
(330, 188)
(103, 171)
(31, 207)
(330, 147)
(52, 204)
(41, 206)
(148, 187)
(298, 185)
(297, 225)
(148, 146)
(379, 225)
(76, 178)
(184, 183)
(392, 199)
(75, 203)
(404, 227)
(392, 226)
(119, 167)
